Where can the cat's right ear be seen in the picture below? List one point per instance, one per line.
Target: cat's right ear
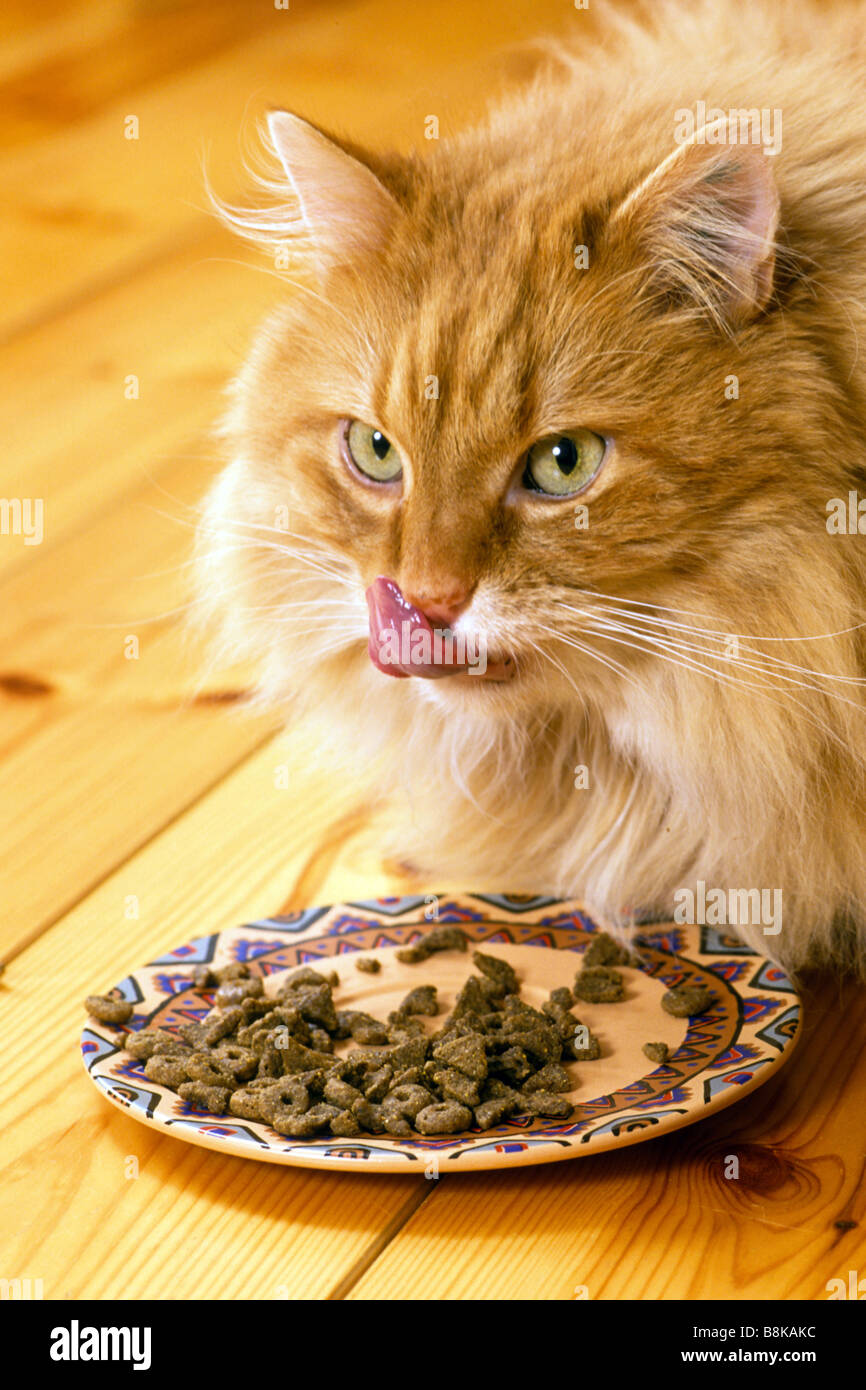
(705, 222)
(337, 211)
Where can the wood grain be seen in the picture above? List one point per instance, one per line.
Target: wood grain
(268, 1232)
(135, 787)
(93, 205)
(660, 1220)
(75, 437)
(82, 722)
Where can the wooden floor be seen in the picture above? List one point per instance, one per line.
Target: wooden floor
(132, 787)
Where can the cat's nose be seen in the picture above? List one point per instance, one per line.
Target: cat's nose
(444, 607)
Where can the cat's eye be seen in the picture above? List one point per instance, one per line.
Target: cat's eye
(563, 464)
(372, 453)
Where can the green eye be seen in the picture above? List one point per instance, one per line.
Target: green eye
(372, 454)
(563, 463)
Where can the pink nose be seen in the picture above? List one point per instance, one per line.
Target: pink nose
(443, 610)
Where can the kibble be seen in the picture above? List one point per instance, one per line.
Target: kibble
(588, 1051)
(687, 1000)
(203, 1097)
(166, 1071)
(108, 1008)
(497, 970)
(422, 1000)
(361, 1027)
(448, 1117)
(605, 950)
(271, 1059)
(439, 939)
(597, 984)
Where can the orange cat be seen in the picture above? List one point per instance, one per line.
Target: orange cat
(584, 386)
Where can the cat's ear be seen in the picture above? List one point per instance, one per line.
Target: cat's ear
(706, 220)
(345, 210)
(318, 206)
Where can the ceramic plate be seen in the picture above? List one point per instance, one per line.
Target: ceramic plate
(715, 1058)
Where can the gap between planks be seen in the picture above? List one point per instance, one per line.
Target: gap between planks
(383, 1240)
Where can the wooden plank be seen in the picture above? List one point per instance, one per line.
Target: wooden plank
(21, 19)
(120, 481)
(31, 34)
(88, 205)
(101, 750)
(193, 1224)
(73, 437)
(660, 1220)
(69, 64)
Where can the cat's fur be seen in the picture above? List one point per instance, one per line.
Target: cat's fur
(707, 521)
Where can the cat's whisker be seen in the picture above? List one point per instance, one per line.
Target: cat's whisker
(328, 628)
(312, 559)
(239, 531)
(156, 617)
(216, 598)
(725, 678)
(777, 664)
(559, 667)
(274, 531)
(647, 642)
(195, 560)
(323, 556)
(722, 638)
(778, 669)
(248, 265)
(307, 610)
(587, 650)
(776, 676)
(685, 612)
(644, 642)
(340, 604)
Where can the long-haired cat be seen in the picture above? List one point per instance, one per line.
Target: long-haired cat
(586, 383)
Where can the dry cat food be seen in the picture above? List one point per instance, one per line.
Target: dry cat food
(686, 1000)
(439, 939)
(108, 1008)
(272, 1058)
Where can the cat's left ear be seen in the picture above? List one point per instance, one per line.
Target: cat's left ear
(706, 220)
(345, 210)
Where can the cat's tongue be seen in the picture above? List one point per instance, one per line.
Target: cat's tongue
(394, 647)
(389, 610)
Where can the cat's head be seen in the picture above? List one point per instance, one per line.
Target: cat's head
(560, 389)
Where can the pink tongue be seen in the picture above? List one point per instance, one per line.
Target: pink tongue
(399, 655)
